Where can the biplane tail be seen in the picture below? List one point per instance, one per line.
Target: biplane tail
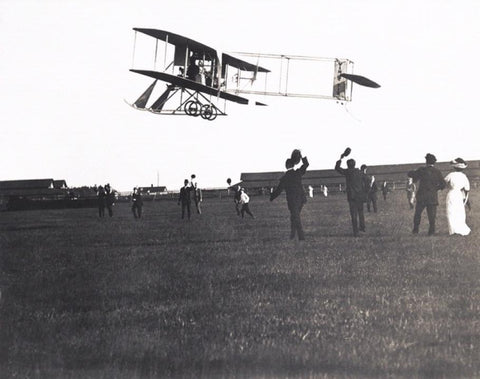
(361, 80)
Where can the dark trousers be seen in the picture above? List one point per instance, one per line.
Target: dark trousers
(246, 209)
(295, 221)
(137, 211)
(186, 205)
(197, 205)
(110, 210)
(358, 218)
(372, 199)
(101, 210)
(431, 213)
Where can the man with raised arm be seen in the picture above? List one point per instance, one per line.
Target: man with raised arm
(291, 182)
(356, 188)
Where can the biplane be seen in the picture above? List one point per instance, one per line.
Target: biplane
(198, 78)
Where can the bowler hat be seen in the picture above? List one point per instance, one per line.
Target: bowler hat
(430, 158)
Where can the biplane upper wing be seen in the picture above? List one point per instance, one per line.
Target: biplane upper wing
(240, 64)
(179, 41)
(186, 83)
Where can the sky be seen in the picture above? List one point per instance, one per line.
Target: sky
(65, 78)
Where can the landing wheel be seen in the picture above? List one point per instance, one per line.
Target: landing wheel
(192, 108)
(208, 112)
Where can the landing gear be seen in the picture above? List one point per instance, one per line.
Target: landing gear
(192, 108)
(206, 111)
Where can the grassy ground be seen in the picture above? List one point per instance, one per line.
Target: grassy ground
(224, 297)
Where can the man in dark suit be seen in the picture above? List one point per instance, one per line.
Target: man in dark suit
(137, 203)
(109, 199)
(357, 189)
(236, 199)
(184, 198)
(371, 190)
(196, 192)
(291, 182)
(101, 201)
(430, 181)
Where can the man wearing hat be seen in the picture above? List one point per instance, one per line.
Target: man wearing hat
(430, 181)
(184, 198)
(196, 193)
(371, 190)
(291, 182)
(357, 185)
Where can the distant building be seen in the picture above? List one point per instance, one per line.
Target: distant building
(26, 184)
(28, 194)
(395, 174)
(60, 184)
(153, 190)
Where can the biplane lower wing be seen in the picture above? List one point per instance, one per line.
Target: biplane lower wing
(186, 83)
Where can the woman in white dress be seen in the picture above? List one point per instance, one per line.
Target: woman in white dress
(457, 195)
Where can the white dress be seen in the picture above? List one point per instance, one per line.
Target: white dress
(457, 182)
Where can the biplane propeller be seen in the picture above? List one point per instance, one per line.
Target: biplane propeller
(197, 77)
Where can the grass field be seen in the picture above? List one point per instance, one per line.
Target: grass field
(219, 296)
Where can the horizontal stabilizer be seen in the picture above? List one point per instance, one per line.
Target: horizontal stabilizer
(361, 80)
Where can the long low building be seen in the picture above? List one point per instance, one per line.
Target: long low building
(32, 187)
(43, 194)
(394, 175)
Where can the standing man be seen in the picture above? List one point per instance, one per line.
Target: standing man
(384, 190)
(184, 198)
(372, 194)
(244, 200)
(101, 201)
(372, 189)
(356, 188)
(430, 181)
(291, 182)
(236, 199)
(310, 191)
(137, 203)
(109, 199)
(411, 189)
(197, 193)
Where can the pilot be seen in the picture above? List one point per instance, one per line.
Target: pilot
(193, 70)
(208, 78)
